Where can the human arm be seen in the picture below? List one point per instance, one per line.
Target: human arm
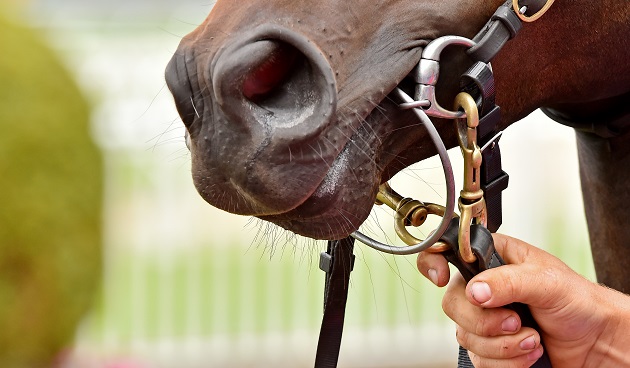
(582, 324)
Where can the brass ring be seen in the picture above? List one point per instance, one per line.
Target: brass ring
(534, 17)
(401, 217)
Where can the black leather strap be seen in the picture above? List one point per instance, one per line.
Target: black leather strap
(503, 26)
(479, 82)
(337, 262)
(493, 179)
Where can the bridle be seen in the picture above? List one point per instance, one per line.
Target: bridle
(503, 25)
(464, 240)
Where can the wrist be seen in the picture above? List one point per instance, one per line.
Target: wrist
(612, 348)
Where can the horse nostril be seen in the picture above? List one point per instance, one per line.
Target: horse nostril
(266, 78)
(275, 82)
(282, 83)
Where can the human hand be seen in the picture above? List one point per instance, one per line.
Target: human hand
(582, 324)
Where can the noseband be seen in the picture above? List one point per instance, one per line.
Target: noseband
(464, 240)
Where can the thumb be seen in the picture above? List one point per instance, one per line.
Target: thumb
(531, 278)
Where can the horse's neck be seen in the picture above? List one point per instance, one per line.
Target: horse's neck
(576, 53)
(575, 59)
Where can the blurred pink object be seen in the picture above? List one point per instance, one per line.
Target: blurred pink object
(125, 364)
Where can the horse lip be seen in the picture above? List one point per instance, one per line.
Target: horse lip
(178, 81)
(313, 205)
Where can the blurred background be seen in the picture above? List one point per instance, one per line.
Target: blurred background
(109, 258)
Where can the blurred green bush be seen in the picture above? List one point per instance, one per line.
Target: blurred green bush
(50, 202)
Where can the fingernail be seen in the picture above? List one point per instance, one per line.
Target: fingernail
(510, 324)
(433, 276)
(528, 344)
(480, 291)
(536, 354)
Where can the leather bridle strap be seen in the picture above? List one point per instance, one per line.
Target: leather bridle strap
(337, 262)
(479, 82)
(503, 26)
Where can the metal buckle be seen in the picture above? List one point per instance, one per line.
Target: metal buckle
(408, 212)
(472, 206)
(428, 72)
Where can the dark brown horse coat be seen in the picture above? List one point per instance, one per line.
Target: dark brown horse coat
(288, 106)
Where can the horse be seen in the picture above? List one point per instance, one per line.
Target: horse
(291, 118)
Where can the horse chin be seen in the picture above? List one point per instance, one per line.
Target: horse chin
(340, 203)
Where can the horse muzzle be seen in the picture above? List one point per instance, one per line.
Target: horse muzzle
(259, 110)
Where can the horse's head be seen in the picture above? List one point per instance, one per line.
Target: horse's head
(287, 103)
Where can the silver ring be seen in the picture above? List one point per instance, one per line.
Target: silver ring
(450, 193)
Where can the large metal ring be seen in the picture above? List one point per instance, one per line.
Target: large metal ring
(450, 193)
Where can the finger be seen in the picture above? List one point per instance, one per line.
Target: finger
(504, 347)
(531, 284)
(523, 361)
(512, 250)
(434, 267)
(515, 251)
(531, 277)
(478, 320)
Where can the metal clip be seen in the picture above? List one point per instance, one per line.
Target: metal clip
(428, 71)
(472, 205)
(409, 212)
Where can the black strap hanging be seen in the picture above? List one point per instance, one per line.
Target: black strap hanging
(337, 262)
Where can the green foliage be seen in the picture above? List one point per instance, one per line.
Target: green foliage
(50, 202)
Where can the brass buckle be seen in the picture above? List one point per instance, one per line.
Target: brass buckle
(472, 205)
(534, 17)
(408, 212)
